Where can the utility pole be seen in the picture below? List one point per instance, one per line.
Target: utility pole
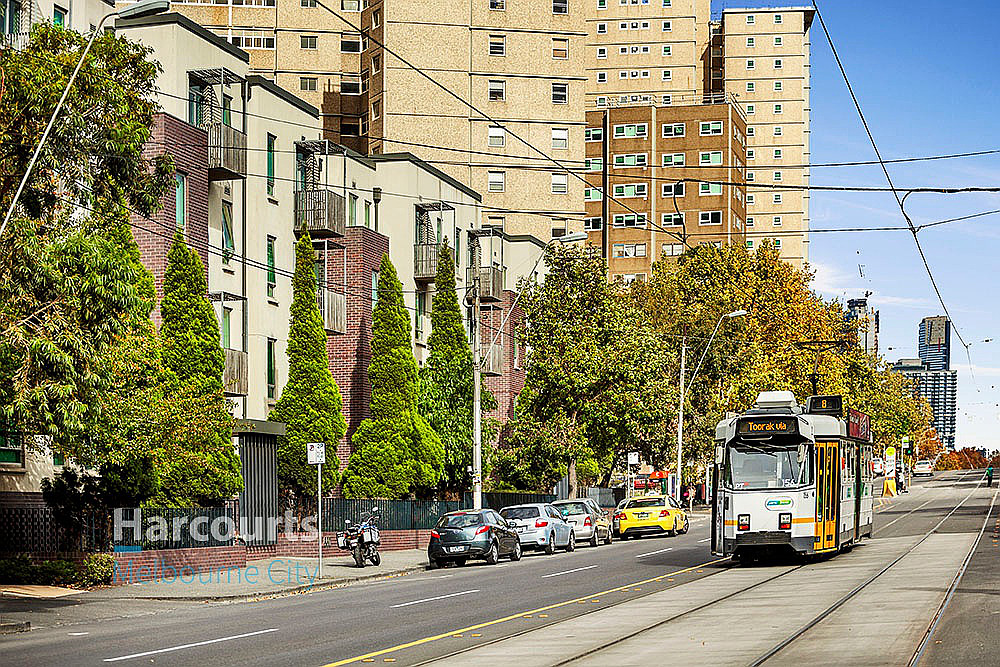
(680, 421)
(477, 424)
(605, 233)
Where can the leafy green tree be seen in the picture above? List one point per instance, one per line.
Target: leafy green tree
(64, 294)
(447, 383)
(310, 403)
(396, 452)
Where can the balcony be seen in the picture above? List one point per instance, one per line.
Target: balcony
(490, 283)
(492, 359)
(319, 212)
(333, 310)
(425, 261)
(234, 375)
(227, 152)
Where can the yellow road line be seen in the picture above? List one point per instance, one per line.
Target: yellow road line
(426, 640)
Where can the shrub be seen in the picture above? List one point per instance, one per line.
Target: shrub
(21, 570)
(16, 570)
(97, 570)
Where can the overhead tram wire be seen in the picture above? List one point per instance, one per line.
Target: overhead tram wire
(913, 229)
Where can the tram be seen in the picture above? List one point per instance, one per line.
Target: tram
(791, 478)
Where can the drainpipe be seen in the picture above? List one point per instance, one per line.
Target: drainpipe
(243, 232)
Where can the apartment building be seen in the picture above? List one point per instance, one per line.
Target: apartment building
(669, 171)
(17, 16)
(671, 52)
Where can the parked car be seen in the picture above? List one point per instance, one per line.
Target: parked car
(590, 523)
(459, 536)
(540, 526)
(651, 514)
(616, 513)
(878, 467)
(923, 467)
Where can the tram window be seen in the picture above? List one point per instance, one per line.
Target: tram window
(750, 467)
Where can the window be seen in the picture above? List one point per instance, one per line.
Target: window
(629, 278)
(602, 4)
(777, 244)
(711, 128)
(497, 137)
(307, 83)
(368, 214)
(750, 42)
(271, 276)
(673, 159)
(778, 41)
(777, 63)
(350, 44)
(602, 77)
(629, 160)
(498, 45)
(350, 87)
(666, 3)
(630, 190)
(60, 16)
(560, 93)
(673, 249)
(709, 189)
(227, 110)
(749, 245)
(751, 131)
(352, 210)
(777, 153)
(418, 316)
(751, 86)
(560, 48)
(376, 64)
(667, 51)
(776, 221)
(496, 181)
(751, 64)
(349, 129)
(498, 5)
(592, 224)
(667, 26)
(750, 221)
(630, 130)
(374, 288)
(777, 108)
(602, 52)
(666, 75)
(710, 218)
(751, 109)
(673, 219)
(777, 198)
(307, 41)
(777, 130)
(629, 220)
(671, 189)
(777, 176)
(560, 184)
(271, 140)
(751, 19)
(593, 134)
(497, 90)
(376, 18)
(629, 250)
(11, 448)
(777, 18)
(180, 200)
(560, 138)
(560, 6)
(673, 130)
(272, 371)
(225, 328)
(228, 242)
(592, 194)
(751, 176)
(751, 154)
(346, 5)
(710, 157)
(777, 86)
(602, 28)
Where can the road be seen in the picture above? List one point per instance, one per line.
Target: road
(429, 615)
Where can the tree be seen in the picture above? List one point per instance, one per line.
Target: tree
(396, 452)
(310, 403)
(447, 382)
(64, 296)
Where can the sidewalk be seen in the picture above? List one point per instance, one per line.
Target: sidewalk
(267, 578)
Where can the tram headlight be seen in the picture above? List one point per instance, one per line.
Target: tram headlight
(785, 521)
(743, 522)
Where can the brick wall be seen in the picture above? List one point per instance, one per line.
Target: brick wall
(188, 145)
(392, 540)
(181, 563)
(506, 387)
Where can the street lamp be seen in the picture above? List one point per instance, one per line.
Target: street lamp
(138, 10)
(680, 409)
(477, 419)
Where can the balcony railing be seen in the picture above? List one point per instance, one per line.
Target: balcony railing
(320, 212)
(492, 359)
(234, 374)
(227, 152)
(425, 261)
(333, 310)
(490, 283)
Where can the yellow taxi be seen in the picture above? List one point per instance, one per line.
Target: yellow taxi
(653, 514)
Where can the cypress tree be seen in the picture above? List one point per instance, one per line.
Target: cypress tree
(310, 403)
(396, 452)
(446, 389)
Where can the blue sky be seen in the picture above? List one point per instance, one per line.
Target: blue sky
(923, 74)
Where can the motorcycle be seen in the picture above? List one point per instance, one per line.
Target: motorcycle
(362, 539)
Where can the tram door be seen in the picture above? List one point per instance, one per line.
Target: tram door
(827, 494)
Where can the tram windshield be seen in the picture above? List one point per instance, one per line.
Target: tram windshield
(757, 466)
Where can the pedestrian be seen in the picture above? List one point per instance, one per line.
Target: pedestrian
(989, 476)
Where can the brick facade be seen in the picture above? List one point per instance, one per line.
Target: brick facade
(506, 387)
(188, 145)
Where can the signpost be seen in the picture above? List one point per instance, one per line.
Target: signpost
(889, 487)
(316, 455)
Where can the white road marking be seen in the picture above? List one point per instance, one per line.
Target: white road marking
(77, 634)
(439, 597)
(182, 646)
(705, 540)
(653, 553)
(578, 569)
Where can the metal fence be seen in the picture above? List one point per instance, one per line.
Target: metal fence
(175, 527)
(34, 529)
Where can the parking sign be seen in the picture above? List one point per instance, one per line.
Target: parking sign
(316, 452)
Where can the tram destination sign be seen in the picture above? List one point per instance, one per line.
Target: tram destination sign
(767, 426)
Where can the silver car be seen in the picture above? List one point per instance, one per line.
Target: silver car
(540, 526)
(590, 523)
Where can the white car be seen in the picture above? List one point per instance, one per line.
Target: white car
(878, 467)
(923, 467)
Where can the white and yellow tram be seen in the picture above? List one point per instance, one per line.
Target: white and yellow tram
(791, 478)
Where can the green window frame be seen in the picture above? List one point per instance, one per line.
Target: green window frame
(272, 371)
(271, 142)
(228, 243)
(419, 315)
(227, 110)
(271, 277)
(180, 199)
(11, 447)
(225, 328)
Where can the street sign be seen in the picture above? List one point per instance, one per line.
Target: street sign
(859, 425)
(316, 453)
(890, 462)
(633, 458)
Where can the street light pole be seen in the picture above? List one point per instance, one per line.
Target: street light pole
(477, 428)
(141, 9)
(680, 409)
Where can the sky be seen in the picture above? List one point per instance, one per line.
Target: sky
(923, 74)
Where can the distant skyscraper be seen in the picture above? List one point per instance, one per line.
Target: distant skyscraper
(867, 321)
(934, 343)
